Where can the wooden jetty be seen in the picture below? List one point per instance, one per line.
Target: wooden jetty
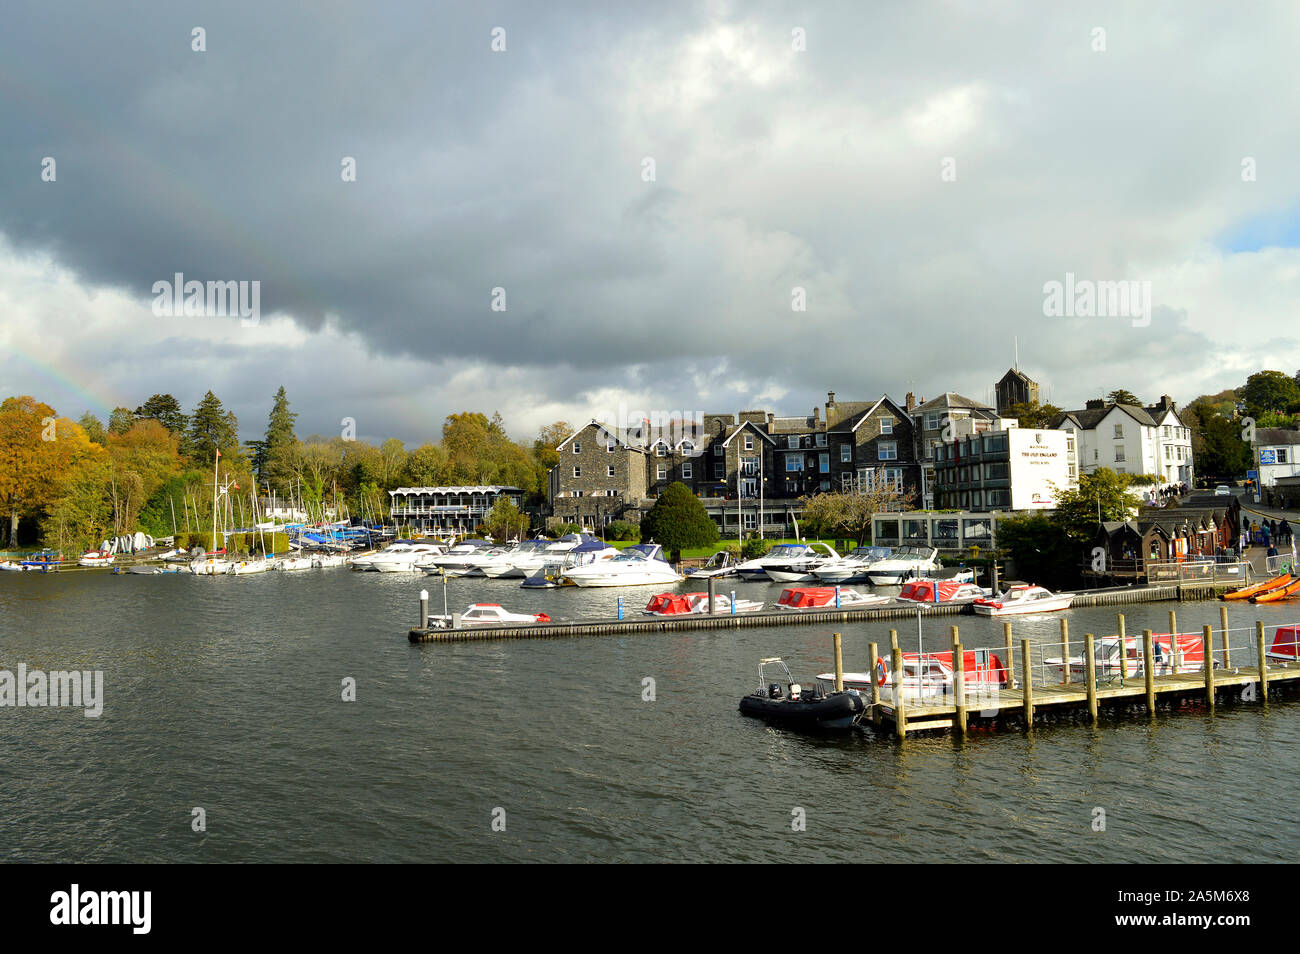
(1032, 698)
(423, 633)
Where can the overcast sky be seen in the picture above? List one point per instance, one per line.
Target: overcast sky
(774, 168)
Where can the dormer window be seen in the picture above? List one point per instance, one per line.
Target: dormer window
(688, 447)
(661, 449)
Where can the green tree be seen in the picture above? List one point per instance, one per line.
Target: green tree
(1121, 396)
(275, 453)
(212, 429)
(1218, 446)
(166, 410)
(120, 421)
(426, 466)
(1033, 415)
(678, 521)
(93, 427)
(1042, 550)
(505, 521)
(850, 514)
(1267, 391)
(1102, 495)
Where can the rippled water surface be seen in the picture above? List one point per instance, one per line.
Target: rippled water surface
(224, 693)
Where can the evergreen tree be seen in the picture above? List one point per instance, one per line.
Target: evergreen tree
(93, 427)
(212, 429)
(166, 410)
(678, 521)
(120, 421)
(277, 450)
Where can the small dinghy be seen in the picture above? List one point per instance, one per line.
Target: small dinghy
(803, 598)
(9, 566)
(95, 558)
(788, 704)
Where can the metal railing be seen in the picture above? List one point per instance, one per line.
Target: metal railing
(1199, 570)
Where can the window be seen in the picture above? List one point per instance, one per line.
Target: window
(887, 450)
(611, 493)
(749, 442)
(718, 449)
(719, 469)
(825, 485)
(577, 493)
(609, 471)
(609, 448)
(821, 440)
(823, 463)
(749, 465)
(577, 447)
(894, 478)
(793, 463)
(748, 520)
(792, 441)
(577, 471)
(662, 473)
(846, 483)
(1119, 453)
(999, 470)
(932, 421)
(886, 425)
(846, 453)
(688, 448)
(1119, 432)
(1282, 455)
(687, 471)
(661, 449)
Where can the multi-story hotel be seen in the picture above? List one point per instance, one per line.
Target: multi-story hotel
(447, 510)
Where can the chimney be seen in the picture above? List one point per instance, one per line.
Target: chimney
(1096, 404)
(911, 400)
(830, 399)
(817, 414)
(1166, 401)
(769, 418)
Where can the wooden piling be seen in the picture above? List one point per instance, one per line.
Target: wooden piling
(1262, 659)
(839, 662)
(1207, 645)
(1223, 621)
(1123, 648)
(1027, 689)
(873, 657)
(1090, 670)
(1149, 670)
(1011, 656)
(1065, 651)
(958, 682)
(896, 679)
(1173, 642)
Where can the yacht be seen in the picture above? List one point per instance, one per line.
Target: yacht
(527, 563)
(504, 564)
(905, 563)
(641, 564)
(721, 565)
(853, 567)
(464, 559)
(552, 572)
(398, 557)
(756, 570)
(801, 569)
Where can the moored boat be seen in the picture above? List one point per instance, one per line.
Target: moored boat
(488, 614)
(930, 676)
(1287, 591)
(96, 558)
(1170, 653)
(1022, 598)
(642, 564)
(803, 598)
(697, 604)
(786, 703)
(941, 591)
(1257, 589)
(721, 565)
(903, 564)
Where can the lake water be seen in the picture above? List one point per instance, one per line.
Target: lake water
(224, 693)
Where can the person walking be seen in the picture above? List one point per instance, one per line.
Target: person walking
(1285, 529)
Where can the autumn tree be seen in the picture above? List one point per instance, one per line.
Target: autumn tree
(36, 448)
(849, 514)
(505, 521)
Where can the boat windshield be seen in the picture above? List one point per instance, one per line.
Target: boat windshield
(786, 550)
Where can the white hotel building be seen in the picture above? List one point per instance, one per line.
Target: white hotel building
(1132, 440)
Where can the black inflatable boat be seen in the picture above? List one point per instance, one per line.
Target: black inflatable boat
(791, 705)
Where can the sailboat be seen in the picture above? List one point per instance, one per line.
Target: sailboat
(214, 563)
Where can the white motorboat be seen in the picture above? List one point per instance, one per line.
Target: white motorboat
(903, 564)
(852, 568)
(552, 573)
(321, 560)
(528, 562)
(249, 567)
(931, 677)
(1110, 661)
(488, 614)
(503, 565)
(401, 556)
(721, 565)
(697, 604)
(801, 569)
(756, 570)
(642, 564)
(96, 558)
(462, 559)
(1022, 598)
(942, 591)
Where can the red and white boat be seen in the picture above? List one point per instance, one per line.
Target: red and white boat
(1022, 598)
(96, 558)
(488, 614)
(1286, 645)
(802, 598)
(687, 604)
(929, 676)
(1111, 662)
(942, 591)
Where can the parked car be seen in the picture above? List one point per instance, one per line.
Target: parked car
(1222, 491)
